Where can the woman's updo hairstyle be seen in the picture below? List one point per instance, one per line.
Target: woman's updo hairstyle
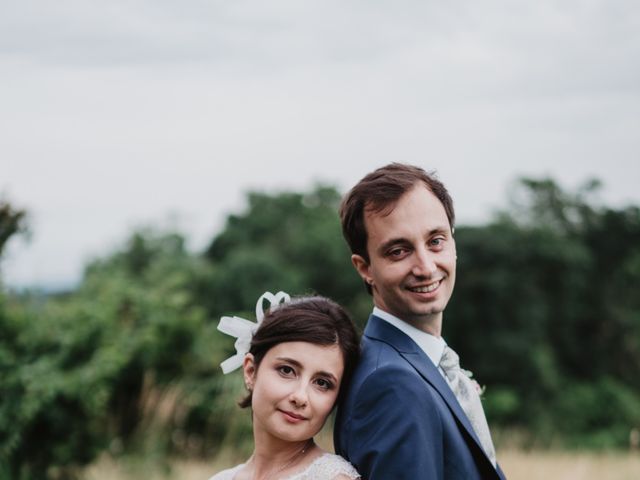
(316, 320)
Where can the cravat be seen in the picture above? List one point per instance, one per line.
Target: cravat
(468, 395)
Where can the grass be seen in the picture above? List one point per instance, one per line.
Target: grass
(558, 465)
(517, 465)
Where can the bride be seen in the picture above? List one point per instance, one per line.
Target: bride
(295, 360)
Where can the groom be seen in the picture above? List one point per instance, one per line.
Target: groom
(410, 411)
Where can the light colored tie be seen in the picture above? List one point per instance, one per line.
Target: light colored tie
(468, 395)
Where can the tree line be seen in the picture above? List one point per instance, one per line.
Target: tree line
(545, 309)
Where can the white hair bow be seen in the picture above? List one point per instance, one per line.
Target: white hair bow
(243, 329)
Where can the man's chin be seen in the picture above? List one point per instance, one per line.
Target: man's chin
(425, 312)
(412, 310)
(424, 305)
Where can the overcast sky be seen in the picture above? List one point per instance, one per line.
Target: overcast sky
(126, 113)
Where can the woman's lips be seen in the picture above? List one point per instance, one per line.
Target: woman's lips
(292, 417)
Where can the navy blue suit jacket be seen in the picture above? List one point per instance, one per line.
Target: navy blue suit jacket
(399, 418)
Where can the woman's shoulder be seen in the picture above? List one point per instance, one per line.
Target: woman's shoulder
(328, 467)
(227, 474)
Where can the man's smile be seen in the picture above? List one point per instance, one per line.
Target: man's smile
(426, 288)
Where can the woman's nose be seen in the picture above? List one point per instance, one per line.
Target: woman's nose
(298, 396)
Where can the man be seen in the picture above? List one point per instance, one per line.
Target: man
(410, 412)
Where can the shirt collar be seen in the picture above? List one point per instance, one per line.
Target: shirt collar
(432, 346)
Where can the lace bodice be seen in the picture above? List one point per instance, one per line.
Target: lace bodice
(326, 467)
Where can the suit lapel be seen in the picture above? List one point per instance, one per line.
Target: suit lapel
(385, 332)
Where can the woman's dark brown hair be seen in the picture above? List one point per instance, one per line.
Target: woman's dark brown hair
(316, 320)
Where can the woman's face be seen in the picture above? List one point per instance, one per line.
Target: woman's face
(294, 388)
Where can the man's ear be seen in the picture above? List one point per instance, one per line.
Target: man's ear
(363, 268)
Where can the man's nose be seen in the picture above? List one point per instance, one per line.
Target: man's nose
(424, 263)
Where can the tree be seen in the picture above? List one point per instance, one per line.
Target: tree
(551, 289)
(12, 221)
(288, 241)
(121, 361)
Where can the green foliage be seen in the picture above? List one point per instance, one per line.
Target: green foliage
(287, 241)
(97, 369)
(12, 221)
(42, 399)
(550, 288)
(606, 409)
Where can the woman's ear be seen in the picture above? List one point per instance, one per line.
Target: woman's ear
(249, 369)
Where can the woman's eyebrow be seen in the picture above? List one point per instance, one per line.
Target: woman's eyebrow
(328, 374)
(290, 360)
(297, 364)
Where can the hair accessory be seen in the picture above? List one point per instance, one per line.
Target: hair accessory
(243, 329)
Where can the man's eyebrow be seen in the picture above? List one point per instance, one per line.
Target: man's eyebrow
(401, 240)
(441, 229)
(392, 241)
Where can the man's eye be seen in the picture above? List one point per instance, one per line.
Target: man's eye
(396, 252)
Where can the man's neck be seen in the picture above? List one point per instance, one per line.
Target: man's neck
(430, 344)
(431, 323)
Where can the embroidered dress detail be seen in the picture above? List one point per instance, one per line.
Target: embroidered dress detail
(325, 467)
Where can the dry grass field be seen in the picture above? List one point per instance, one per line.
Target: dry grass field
(518, 465)
(569, 466)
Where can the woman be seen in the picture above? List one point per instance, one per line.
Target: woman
(300, 355)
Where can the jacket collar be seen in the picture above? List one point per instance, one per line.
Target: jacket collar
(383, 331)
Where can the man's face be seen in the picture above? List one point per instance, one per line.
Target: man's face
(412, 259)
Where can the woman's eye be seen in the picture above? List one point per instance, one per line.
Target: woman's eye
(286, 370)
(324, 384)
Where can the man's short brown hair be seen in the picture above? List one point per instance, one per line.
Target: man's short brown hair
(378, 192)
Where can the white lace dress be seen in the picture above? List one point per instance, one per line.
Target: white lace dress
(326, 467)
